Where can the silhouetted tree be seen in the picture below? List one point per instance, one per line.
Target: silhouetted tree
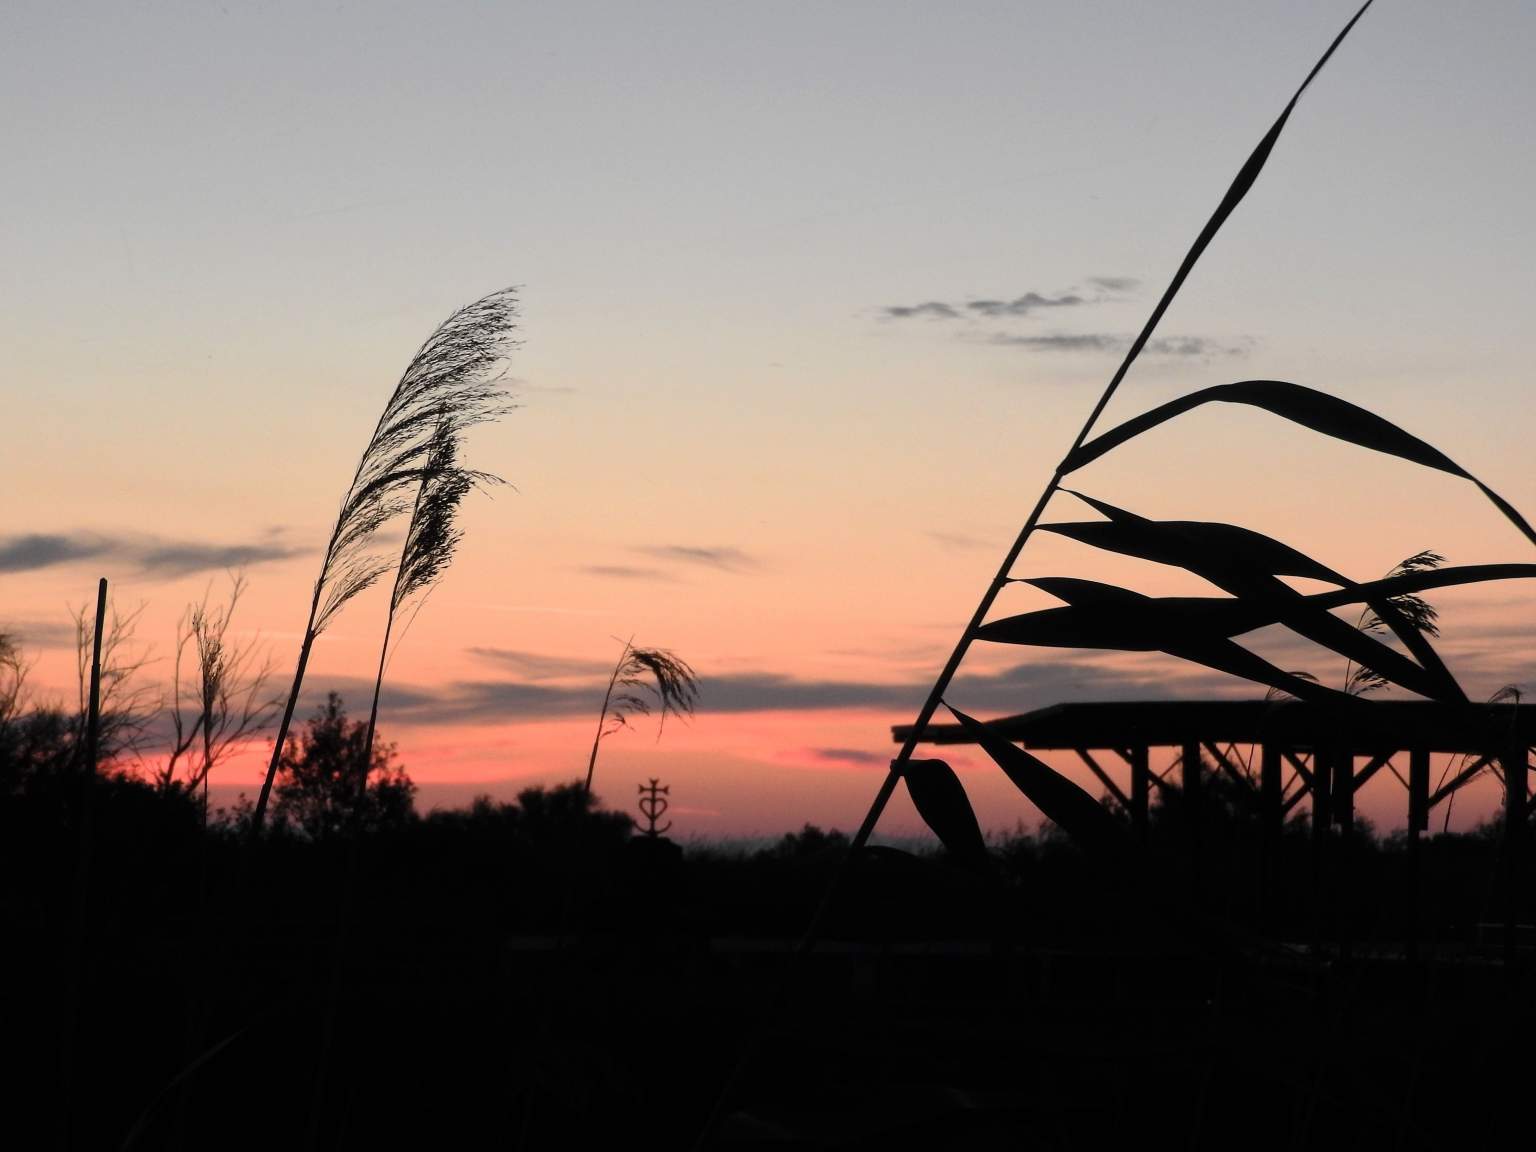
(809, 841)
(221, 704)
(567, 813)
(318, 774)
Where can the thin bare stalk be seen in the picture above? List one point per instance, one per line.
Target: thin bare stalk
(602, 715)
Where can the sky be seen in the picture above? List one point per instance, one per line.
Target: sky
(813, 299)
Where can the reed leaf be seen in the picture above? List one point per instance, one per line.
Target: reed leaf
(1209, 549)
(1243, 547)
(452, 383)
(1199, 629)
(1243, 563)
(1309, 408)
(1073, 810)
(940, 800)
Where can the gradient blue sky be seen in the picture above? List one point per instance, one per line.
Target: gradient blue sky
(228, 228)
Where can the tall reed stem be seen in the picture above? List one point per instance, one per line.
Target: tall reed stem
(258, 817)
(602, 715)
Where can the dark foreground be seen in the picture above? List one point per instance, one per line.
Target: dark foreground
(459, 993)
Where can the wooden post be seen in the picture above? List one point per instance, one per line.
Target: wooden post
(1322, 792)
(1343, 804)
(1322, 787)
(1189, 775)
(1141, 785)
(93, 707)
(1272, 813)
(1418, 823)
(1515, 761)
(84, 787)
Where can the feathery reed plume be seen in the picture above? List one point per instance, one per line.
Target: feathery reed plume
(450, 385)
(674, 684)
(1417, 612)
(430, 542)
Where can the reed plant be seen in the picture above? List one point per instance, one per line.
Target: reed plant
(454, 381)
(1245, 564)
(662, 673)
(431, 538)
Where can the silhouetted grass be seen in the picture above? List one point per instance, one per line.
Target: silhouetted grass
(450, 385)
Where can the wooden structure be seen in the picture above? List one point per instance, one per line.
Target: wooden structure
(1304, 751)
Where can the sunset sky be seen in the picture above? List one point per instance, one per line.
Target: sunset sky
(814, 297)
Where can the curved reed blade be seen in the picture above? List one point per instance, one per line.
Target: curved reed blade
(1371, 590)
(1199, 628)
(1073, 810)
(940, 800)
(1193, 630)
(1243, 563)
(1257, 552)
(1241, 183)
(1309, 408)
(1214, 546)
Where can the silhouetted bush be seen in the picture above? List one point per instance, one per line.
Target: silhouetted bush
(318, 776)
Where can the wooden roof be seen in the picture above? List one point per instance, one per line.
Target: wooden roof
(1372, 727)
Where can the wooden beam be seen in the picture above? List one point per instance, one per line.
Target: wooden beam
(1462, 777)
(1301, 769)
(1375, 765)
(1093, 766)
(1225, 763)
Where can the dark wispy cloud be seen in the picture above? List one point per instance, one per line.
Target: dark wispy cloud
(729, 559)
(1115, 283)
(35, 633)
(148, 555)
(986, 309)
(1187, 346)
(181, 558)
(28, 553)
(538, 666)
(1093, 291)
(932, 310)
(1016, 689)
(1022, 305)
(625, 572)
(847, 756)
